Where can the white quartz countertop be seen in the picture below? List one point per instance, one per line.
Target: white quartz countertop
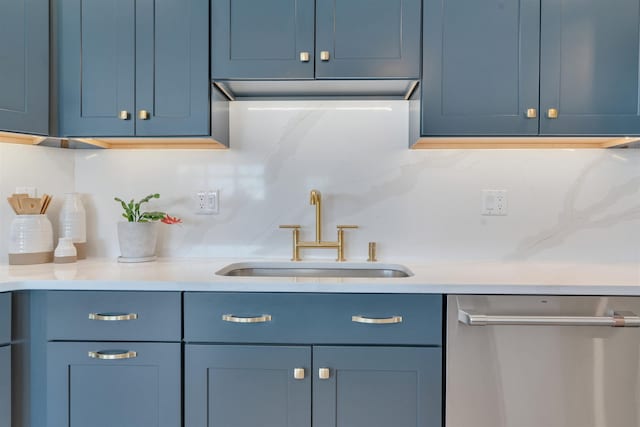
(198, 274)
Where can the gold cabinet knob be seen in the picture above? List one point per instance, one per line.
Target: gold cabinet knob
(123, 115)
(324, 55)
(552, 113)
(143, 115)
(532, 113)
(305, 57)
(298, 373)
(324, 373)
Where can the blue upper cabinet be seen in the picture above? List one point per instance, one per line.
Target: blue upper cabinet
(326, 39)
(269, 39)
(480, 74)
(589, 67)
(368, 38)
(172, 67)
(133, 67)
(24, 66)
(96, 51)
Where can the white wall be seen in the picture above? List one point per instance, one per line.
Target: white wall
(564, 205)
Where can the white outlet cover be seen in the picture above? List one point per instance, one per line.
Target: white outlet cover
(494, 202)
(207, 202)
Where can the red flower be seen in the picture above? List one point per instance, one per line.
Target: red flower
(171, 220)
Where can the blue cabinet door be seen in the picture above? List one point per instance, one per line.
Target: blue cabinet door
(141, 389)
(262, 39)
(589, 67)
(24, 66)
(480, 67)
(5, 386)
(247, 386)
(96, 51)
(172, 67)
(368, 39)
(377, 387)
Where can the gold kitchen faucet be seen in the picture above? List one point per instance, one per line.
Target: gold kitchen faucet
(315, 198)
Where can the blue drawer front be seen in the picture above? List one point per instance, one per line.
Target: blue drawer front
(5, 318)
(141, 391)
(313, 318)
(158, 316)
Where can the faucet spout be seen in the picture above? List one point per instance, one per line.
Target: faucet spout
(315, 198)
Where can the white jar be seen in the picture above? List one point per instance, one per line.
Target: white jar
(73, 222)
(65, 251)
(30, 240)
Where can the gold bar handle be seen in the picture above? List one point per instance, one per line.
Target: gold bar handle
(123, 115)
(290, 226)
(552, 113)
(376, 321)
(143, 115)
(256, 319)
(305, 57)
(532, 113)
(324, 373)
(298, 373)
(113, 317)
(324, 55)
(112, 355)
(340, 227)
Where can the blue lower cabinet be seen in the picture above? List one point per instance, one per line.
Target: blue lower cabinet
(5, 386)
(377, 387)
(105, 384)
(247, 386)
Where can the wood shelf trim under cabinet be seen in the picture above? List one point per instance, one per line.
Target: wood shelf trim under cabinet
(153, 143)
(501, 142)
(118, 143)
(21, 138)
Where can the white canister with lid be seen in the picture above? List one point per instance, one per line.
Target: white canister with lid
(73, 222)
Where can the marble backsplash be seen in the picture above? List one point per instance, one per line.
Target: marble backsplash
(419, 205)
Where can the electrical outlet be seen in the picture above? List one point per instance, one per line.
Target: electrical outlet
(494, 202)
(208, 202)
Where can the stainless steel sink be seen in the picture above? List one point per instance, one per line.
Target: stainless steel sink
(331, 270)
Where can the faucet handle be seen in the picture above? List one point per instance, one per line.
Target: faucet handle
(341, 227)
(294, 226)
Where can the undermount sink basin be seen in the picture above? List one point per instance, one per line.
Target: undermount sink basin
(305, 269)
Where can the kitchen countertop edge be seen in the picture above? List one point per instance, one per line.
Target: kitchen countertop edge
(460, 277)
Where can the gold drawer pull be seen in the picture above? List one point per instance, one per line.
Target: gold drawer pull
(298, 373)
(113, 354)
(376, 321)
(532, 113)
(257, 319)
(552, 113)
(113, 317)
(305, 57)
(324, 373)
(324, 55)
(143, 115)
(123, 115)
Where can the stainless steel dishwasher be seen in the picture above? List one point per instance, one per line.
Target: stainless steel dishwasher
(542, 361)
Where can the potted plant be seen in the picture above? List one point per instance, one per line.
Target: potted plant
(139, 233)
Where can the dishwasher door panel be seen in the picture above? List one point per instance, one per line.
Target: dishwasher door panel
(542, 375)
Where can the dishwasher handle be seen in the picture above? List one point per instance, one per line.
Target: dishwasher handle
(618, 319)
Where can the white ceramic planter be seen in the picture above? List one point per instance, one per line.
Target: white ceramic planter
(30, 234)
(137, 240)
